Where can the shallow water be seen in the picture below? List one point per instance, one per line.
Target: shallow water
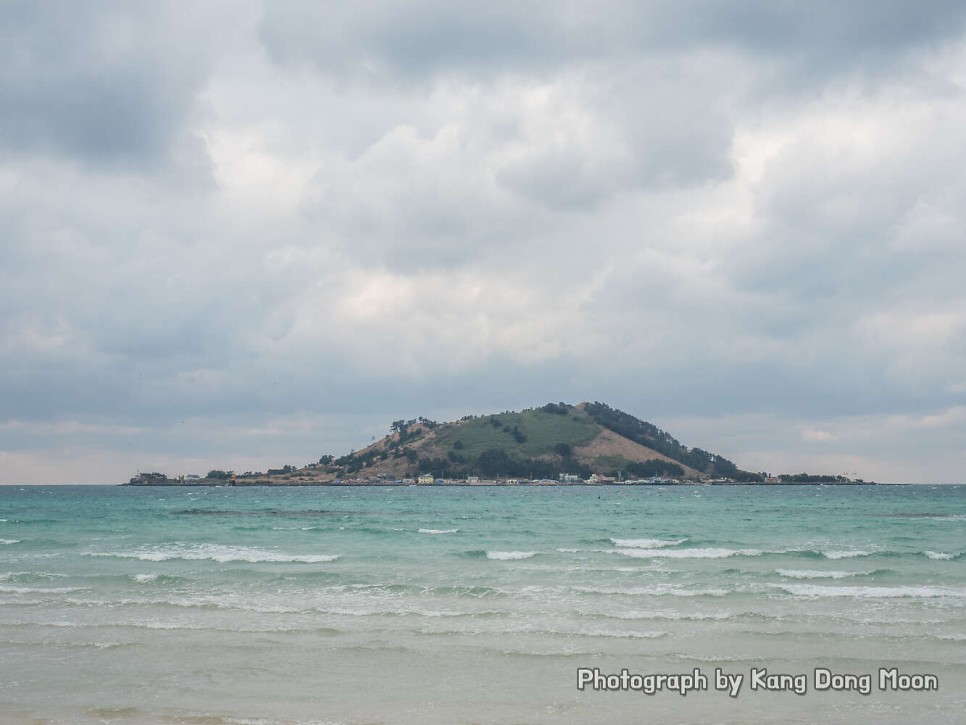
(476, 605)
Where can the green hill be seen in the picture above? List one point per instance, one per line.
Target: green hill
(534, 443)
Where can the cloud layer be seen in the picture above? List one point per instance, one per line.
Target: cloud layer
(253, 233)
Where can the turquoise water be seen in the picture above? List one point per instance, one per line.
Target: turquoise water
(475, 605)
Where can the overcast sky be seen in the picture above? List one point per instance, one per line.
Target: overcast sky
(243, 234)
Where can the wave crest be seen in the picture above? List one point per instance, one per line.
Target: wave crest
(940, 555)
(901, 592)
(647, 543)
(220, 553)
(509, 555)
(813, 574)
(688, 553)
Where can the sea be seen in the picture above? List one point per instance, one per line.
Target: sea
(516, 605)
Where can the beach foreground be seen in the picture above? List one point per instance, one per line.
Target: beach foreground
(436, 605)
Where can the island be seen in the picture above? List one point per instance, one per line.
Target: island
(555, 444)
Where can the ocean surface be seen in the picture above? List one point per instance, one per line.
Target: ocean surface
(478, 605)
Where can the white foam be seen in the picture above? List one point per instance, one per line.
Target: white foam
(647, 543)
(40, 590)
(10, 541)
(815, 574)
(29, 575)
(144, 578)
(377, 610)
(438, 531)
(925, 592)
(942, 556)
(653, 591)
(688, 553)
(611, 633)
(509, 555)
(845, 554)
(675, 616)
(219, 553)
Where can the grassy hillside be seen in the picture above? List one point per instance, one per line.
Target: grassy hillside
(529, 434)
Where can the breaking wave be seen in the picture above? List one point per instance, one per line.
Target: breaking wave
(220, 553)
(813, 574)
(844, 554)
(901, 592)
(688, 553)
(940, 555)
(509, 555)
(647, 543)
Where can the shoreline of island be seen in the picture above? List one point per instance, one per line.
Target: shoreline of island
(138, 482)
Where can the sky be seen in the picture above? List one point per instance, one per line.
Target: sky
(246, 234)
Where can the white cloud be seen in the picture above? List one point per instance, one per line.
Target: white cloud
(817, 435)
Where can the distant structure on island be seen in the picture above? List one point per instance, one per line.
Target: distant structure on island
(556, 444)
(159, 479)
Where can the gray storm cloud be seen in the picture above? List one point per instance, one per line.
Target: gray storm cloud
(252, 233)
